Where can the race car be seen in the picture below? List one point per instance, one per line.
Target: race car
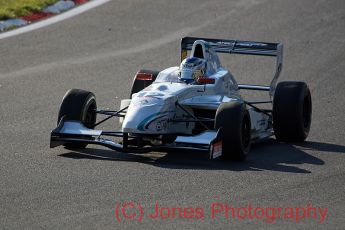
(196, 105)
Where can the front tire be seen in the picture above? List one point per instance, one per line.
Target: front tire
(292, 111)
(234, 119)
(78, 105)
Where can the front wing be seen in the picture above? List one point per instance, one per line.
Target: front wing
(75, 132)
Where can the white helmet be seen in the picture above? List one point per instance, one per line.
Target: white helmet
(191, 68)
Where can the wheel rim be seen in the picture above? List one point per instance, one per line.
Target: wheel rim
(245, 133)
(89, 118)
(306, 112)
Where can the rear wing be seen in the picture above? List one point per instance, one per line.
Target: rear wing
(242, 47)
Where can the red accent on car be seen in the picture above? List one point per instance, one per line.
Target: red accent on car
(143, 76)
(205, 80)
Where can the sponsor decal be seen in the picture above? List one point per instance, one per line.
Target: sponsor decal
(146, 100)
(162, 125)
(250, 44)
(225, 43)
(144, 124)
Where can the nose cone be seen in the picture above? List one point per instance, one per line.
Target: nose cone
(146, 115)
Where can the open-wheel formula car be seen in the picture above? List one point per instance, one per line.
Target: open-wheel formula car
(196, 105)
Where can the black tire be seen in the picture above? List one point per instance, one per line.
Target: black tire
(292, 111)
(78, 105)
(139, 85)
(169, 138)
(234, 119)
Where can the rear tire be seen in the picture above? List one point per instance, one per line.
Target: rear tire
(292, 111)
(234, 119)
(139, 85)
(78, 105)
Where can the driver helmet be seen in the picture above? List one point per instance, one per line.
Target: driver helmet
(191, 68)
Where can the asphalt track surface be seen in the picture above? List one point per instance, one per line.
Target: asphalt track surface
(100, 50)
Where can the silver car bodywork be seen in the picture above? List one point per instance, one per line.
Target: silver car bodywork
(169, 107)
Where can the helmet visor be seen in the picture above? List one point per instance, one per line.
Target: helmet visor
(186, 74)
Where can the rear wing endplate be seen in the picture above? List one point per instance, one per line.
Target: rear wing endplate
(241, 47)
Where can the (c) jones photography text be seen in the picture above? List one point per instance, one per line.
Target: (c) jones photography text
(134, 211)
